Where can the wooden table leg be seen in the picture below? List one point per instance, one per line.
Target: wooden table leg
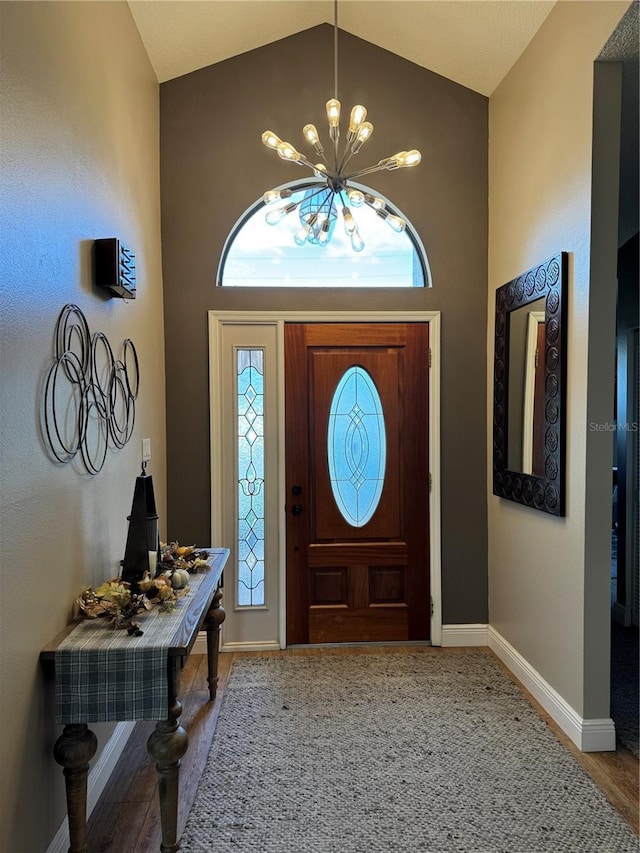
(166, 745)
(215, 618)
(75, 747)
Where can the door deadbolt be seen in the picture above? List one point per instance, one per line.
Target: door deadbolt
(296, 490)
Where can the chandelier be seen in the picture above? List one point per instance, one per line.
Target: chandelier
(318, 208)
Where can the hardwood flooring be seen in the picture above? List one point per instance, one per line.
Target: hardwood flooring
(125, 820)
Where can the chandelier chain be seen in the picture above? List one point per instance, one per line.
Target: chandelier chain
(335, 49)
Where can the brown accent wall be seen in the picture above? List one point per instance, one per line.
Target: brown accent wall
(213, 167)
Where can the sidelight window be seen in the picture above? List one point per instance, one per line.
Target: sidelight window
(251, 464)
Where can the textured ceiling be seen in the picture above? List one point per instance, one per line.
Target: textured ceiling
(473, 42)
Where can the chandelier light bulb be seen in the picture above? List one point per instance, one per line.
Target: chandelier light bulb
(408, 158)
(349, 222)
(287, 152)
(276, 195)
(358, 115)
(395, 222)
(333, 117)
(320, 170)
(374, 201)
(356, 197)
(301, 236)
(310, 133)
(333, 112)
(323, 236)
(357, 243)
(277, 215)
(270, 139)
(364, 132)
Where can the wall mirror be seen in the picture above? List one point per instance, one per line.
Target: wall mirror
(529, 387)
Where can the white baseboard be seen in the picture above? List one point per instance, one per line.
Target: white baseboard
(465, 635)
(96, 783)
(200, 646)
(591, 735)
(258, 646)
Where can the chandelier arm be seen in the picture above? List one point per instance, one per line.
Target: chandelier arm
(367, 171)
(346, 158)
(305, 162)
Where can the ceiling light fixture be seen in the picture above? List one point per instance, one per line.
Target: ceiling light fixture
(317, 210)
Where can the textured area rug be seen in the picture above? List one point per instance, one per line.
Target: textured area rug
(408, 753)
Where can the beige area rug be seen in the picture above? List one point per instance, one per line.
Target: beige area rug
(393, 753)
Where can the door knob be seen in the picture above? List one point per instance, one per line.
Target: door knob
(296, 509)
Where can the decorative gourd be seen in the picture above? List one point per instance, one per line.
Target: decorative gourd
(179, 578)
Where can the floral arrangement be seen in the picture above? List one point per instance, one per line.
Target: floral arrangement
(186, 557)
(115, 601)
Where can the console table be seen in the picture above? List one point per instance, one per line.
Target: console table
(114, 676)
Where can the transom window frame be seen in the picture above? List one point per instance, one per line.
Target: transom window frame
(295, 186)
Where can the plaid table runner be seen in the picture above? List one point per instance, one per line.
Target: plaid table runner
(103, 674)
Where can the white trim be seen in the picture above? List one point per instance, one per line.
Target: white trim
(594, 735)
(264, 646)
(465, 635)
(282, 488)
(215, 428)
(435, 541)
(278, 318)
(96, 783)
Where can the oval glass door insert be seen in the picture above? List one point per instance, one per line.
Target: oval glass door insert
(356, 446)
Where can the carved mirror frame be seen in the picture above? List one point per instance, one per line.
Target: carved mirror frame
(545, 493)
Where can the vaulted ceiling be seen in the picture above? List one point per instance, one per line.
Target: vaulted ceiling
(473, 42)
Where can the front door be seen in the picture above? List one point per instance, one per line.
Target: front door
(357, 480)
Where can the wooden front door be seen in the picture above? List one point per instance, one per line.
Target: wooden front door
(360, 574)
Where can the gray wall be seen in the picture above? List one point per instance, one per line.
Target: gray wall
(214, 167)
(79, 160)
(549, 577)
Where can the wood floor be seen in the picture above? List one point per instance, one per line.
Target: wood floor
(125, 820)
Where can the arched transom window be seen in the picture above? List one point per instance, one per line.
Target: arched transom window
(257, 254)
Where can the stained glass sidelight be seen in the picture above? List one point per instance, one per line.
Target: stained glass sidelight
(356, 446)
(250, 450)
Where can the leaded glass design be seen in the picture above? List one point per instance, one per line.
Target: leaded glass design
(356, 446)
(250, 449)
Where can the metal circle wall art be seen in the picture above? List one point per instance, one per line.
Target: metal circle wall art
(89, 395)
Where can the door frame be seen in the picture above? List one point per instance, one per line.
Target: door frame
(278, 319)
